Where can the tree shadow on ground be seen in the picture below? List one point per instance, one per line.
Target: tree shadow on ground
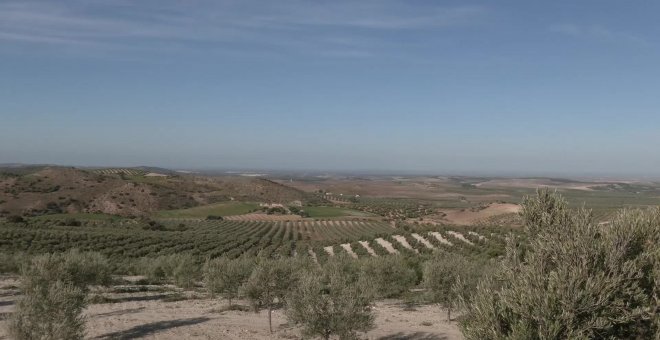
(121, 312)
(150, 328)
(7, 293)
(413, 336)
(6, 303)
(137, 298)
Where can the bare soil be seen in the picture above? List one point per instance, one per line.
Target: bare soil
(148, 316)
(424, 241)
(366, 246)
(387, 245)
(402, 240)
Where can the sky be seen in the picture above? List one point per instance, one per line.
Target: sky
(524, 87)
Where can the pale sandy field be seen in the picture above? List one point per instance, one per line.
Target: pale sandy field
(146, 316)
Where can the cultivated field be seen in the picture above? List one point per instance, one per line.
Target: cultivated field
(422, 241)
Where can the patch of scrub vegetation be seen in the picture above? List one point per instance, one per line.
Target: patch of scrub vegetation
(322, 212)
(219, 209)
(79, 216)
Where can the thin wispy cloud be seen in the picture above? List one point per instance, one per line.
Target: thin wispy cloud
(598, 33)
(319, 27)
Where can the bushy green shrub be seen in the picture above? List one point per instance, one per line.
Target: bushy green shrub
(15, 219)
(391, 275)
(333, 300)
(49, 312)
(11, 263)
(85, 268)
(573, 279)
(448, 277)
(54, 289)
(180, 269)
(269, 283)
(224, 276)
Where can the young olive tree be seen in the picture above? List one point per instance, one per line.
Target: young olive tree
(334, 300)
(180, 269)
(449, 276)
(269, 283)
(54, 290)
(390, 275)
(573, 279)
(224, 276)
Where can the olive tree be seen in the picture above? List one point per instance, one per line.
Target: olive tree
(269, 283)
(391, 275)
(54, 290)
(449, 276)
(224, 276)
(334, 300)
(573, 279)
(180, 269)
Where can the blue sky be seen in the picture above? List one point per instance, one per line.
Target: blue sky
(526, 87)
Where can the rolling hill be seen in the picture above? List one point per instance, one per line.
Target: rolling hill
(50, 190)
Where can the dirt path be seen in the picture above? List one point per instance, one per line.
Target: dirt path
(349, 250)
(424, 241)
(366, 246)
(387, 245)
(402, 240)
(440, 238)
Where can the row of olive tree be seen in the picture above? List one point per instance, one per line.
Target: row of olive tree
(310, 293)
(335, 298)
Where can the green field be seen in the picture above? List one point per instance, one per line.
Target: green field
(218, 209)
(323, 212)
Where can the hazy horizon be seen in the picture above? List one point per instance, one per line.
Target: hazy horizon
(513, 87)
(229, 170)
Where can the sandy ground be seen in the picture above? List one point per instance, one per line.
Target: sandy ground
(349, 250)
(460, 236)
(387, 245)
(146, 316)
(366, 246)
(440, 238)
(402, 240)
(424, 241)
